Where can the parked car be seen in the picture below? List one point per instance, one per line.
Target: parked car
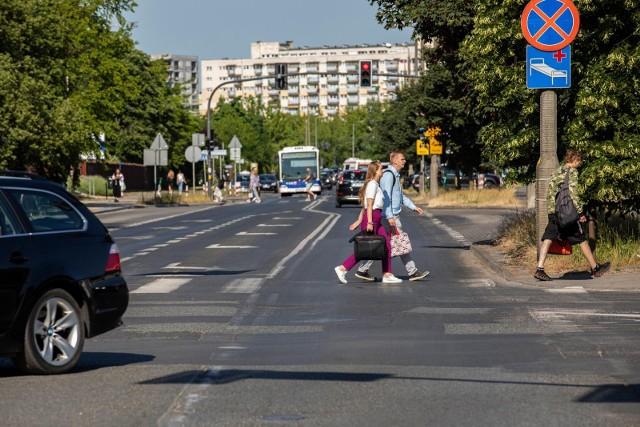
(268, 182)
(60, 273)
(348, 187)
(242, 183)
(326, 180)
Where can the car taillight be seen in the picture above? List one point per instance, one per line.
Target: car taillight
(342, 180)
(113, 261)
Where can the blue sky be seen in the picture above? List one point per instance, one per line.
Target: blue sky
(216, 29)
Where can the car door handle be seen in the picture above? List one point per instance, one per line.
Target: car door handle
(18, 258)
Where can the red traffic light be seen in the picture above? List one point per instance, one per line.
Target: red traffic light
(366, 65)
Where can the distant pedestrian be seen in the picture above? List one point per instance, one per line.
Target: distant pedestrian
(181, 181)
(116, 182)
(170, 178)
(308, 180)
(394, 200)
(159, 190)
(573, 232)
(371, 220)
(254, 186)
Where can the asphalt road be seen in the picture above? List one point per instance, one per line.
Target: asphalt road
(237, 318)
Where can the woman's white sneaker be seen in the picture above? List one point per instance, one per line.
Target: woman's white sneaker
(342, 275)
(391, 279)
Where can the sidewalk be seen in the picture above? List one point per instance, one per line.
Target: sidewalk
(476, 229)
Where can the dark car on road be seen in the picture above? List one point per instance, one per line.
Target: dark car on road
(268, 182)
(326, 179)
(348, 186)
(60, 276)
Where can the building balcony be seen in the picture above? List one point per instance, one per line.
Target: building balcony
(292, 90)
(333, 89)
(333, 79)
(392, 67)
(332, 68)
(352, 90)
(274, 93)
(313, 101)
(312, 90)
(333, 100)
(352, 100)
(352, 79)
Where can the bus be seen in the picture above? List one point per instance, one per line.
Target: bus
(293, 162)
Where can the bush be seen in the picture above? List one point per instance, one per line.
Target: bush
(93, 185)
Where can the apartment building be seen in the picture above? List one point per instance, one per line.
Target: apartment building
(183, 70)
(328, 84)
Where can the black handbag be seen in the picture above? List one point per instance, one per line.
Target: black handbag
(367, 245)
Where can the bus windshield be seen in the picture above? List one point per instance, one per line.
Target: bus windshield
(294, 165)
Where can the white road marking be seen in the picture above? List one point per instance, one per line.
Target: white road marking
(244, 233)
(218, 246)
(243, 286)
(567, 290)
(179, 227)
(275, 225)
(177, 266)
(163, 285)
(287, 218)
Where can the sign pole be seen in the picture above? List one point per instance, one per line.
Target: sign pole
(548, 158)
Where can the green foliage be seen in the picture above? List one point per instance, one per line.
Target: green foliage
(66, 76)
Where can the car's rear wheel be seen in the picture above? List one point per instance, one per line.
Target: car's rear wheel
(54, 335)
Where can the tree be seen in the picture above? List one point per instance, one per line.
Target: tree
(443, 95)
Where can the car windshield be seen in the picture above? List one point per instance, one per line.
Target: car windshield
(354, 175)
(267, 177)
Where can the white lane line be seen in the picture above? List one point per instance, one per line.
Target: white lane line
(244, 233)
(175, 227)
(450, 231)
(163, 285)
(177, 266)
(326, 225)
(243, 286)
(275, 225)
(567, 290)
(287, 218)
(218, 246)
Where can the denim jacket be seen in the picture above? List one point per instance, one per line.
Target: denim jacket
(392, 192)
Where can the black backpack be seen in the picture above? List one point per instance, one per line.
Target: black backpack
(566, 213)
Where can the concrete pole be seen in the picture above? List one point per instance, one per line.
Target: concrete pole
(548, 158)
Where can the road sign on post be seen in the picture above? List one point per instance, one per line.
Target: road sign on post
(548, 70)
(550, 25)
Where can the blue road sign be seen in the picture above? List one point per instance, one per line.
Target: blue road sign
(550, 25)
(548, 70)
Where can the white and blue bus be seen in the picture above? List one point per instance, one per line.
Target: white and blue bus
(293, 162)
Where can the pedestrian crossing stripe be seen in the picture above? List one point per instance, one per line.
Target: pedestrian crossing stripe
(163, 285)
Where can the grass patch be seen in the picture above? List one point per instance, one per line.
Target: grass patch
(471, 197)
(618, 241)
(92, 185)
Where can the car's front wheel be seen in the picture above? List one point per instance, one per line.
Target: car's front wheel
(54, 335)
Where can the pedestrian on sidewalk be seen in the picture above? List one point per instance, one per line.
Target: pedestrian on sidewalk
(394, 199)
(117, 179)
(181, 181)
(573, 232)
(372, 199)
(170, 177)
(308, 180)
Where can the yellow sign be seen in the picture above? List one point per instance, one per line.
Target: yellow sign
(422, 147)
(435, 146)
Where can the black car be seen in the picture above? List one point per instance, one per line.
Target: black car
(268, 182)
(348, 186)
(326, 179)
(60, 275)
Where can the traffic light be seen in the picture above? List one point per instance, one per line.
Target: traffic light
(365, 73)
(281, 78)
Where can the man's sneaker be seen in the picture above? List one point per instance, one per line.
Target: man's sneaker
(391, 279)
(542, 275)
(600, 269)
(418, 275)
(342, 275)
(364, 275)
